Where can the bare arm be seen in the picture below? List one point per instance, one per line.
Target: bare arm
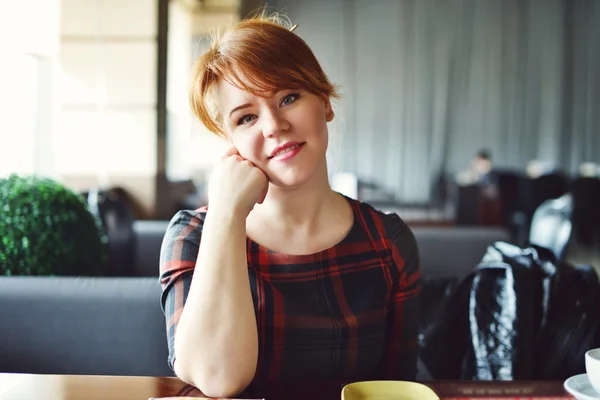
(216, 346)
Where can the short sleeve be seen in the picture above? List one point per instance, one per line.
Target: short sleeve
(403, 310)
(178, 255)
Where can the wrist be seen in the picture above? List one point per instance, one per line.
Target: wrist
(225, 213)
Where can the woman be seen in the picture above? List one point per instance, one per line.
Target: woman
(280, 278)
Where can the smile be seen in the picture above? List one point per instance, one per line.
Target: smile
(287, 153)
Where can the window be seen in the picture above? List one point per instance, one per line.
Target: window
(18, 106)
(29, 36)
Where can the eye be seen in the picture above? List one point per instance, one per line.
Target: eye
(246, 119)
(289, 99)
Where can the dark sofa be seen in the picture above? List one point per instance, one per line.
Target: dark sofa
(444, 251)
(114, 326)
(95, 326)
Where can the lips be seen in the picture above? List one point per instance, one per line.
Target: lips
(285, 148)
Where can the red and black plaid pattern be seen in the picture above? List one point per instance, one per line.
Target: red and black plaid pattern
(346, 313)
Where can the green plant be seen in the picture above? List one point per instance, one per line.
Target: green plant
(47, 229)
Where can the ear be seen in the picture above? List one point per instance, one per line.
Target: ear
(329, 114)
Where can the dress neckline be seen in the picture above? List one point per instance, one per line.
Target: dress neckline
(310, 256)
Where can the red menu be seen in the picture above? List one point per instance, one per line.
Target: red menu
(513, 390)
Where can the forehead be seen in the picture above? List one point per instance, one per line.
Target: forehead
(229, 95)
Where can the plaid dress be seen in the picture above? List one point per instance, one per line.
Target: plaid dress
(347, 313)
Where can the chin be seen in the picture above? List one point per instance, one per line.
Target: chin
(296, 174)
(289, 181)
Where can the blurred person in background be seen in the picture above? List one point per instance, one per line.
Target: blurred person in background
(482, 166)
(479, 171)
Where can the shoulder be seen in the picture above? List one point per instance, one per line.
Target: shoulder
(398, 236)
(389, 224)
(187, 218)
(180, 245)
(186, 225)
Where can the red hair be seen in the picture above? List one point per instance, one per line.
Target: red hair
(257, 55)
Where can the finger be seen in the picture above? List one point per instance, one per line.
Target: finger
(231, 151)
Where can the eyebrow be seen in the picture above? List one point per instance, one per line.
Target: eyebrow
(239, 108)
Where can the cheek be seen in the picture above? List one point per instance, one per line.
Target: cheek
(248, 146)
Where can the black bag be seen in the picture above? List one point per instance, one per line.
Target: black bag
(518, 315)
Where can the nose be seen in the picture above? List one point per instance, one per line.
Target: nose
(274, 123)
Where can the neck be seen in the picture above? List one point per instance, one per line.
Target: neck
(301, 206)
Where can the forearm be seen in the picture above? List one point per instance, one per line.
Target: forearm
(216, 344)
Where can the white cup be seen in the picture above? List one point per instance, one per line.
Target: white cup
(592, 367)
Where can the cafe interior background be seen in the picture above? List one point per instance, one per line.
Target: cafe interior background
(93, 95)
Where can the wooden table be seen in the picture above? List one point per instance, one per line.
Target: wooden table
(80, 387)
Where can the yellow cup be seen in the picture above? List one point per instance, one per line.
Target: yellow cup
(388, 390)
